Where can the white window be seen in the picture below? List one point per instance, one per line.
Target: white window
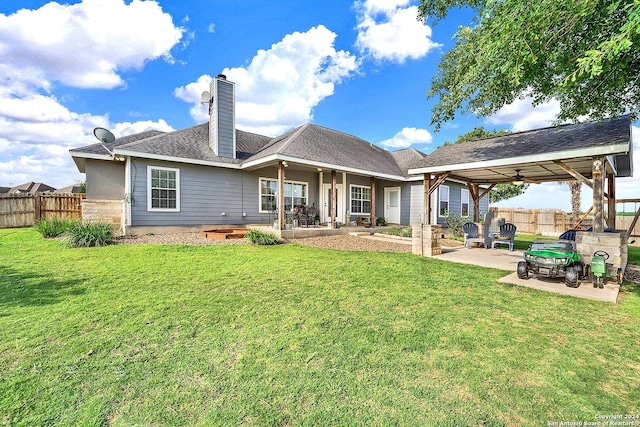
(360, 199)
(295, 194)
(443, 206)
(163, 189)
(464, 202)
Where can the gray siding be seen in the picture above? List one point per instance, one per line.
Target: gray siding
(105, 180)
(455, 202)
(416, 202)
(207, 192)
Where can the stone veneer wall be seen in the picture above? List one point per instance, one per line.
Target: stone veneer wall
(103, 211)
(615, 244)
(426, 239)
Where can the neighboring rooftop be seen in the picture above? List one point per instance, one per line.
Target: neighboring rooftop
(31, 188)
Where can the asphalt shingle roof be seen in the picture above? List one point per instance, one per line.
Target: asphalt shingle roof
(546, 140)
(323, 145)
(98, 148)
(308, 142)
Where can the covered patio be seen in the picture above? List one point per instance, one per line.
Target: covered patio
(594, 153)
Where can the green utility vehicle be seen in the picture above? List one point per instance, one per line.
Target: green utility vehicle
(552, 258)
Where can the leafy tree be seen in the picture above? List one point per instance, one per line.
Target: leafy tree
(500, 191)
(477, 132)
(585, 54)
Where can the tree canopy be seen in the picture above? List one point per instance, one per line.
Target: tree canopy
(583, 53)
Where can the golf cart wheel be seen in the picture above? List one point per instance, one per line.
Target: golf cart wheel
(523, 270)
(572, 277)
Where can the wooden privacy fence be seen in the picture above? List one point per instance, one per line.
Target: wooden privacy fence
(548, 222)
(23, 210)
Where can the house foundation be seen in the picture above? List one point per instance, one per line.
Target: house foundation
(426, 239)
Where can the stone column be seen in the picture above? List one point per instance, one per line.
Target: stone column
(426, 239)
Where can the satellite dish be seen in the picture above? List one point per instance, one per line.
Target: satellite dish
(205, 97)
(104, 135)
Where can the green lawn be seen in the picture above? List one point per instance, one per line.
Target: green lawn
(292, 335)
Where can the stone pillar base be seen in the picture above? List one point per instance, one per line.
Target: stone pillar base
(426, 239)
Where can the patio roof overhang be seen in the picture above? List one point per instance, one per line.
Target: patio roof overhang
(587, 152)
(542, 155)
(546, 167)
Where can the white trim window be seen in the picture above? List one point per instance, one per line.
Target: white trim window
(443, 203)
(163, 189)
(360, 200)
(295, 194)
(464, 202)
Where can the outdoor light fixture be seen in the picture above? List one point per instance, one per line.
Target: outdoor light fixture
(285, 164)
(319, 169)
(518, 179)
(597, 165)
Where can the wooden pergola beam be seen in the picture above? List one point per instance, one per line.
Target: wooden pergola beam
(577, 175)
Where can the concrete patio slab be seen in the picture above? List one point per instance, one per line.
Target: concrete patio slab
(505, 260)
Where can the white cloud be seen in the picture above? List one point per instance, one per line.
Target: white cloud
(84, 44)
(389, 30)
(130, 128)
(408, 137)
(281, 85)
(36, 146)
(522, 115)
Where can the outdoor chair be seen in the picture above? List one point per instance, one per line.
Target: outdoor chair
(568, 235)
(507, 236)
(310, 215)
(470, 230)
(486, 237)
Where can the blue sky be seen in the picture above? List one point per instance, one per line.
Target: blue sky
(361, 67)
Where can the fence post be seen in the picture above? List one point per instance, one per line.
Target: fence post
(38, 206)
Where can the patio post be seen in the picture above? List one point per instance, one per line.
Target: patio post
(334, 200)
(474, 189)
(611, 200)
(598, 167)
(372, 185)
(426, 203)
(280, 196)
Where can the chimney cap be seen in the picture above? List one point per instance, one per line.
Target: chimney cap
(222, 76)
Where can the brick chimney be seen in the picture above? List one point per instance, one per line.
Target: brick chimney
(222, 117)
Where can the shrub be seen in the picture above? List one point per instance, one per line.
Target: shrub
(381, 222)
(88, 235)
(54, 227)
(261, 238)
(455, 223)
(397, 231)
